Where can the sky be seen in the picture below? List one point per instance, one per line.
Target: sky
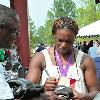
(37, 10)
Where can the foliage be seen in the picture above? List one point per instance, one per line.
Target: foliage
(87, 13)
(32, 26)
(62, 8)
(33, 30)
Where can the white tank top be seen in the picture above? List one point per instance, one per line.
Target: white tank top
(74, 78)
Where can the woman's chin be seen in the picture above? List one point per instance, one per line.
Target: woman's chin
(64, 52)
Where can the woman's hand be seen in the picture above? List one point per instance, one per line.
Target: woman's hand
(80, 96)
(50, 84)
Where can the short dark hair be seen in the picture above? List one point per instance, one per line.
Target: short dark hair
(6, 15)
(65, 23)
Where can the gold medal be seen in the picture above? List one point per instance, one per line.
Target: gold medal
(64, 81)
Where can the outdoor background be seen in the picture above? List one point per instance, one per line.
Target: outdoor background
(84, 12)
(42, 13)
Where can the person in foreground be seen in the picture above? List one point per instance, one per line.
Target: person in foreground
(8, 32)
(63, 64)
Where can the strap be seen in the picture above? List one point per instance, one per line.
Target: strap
(47, 57)
(79, 57)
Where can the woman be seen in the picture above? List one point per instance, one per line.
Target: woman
(63, 64)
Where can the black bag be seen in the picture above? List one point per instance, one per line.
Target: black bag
(24, 89)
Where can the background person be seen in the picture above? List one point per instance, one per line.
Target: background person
(40, 47)
(98, 50)
(8, 31)
(96, 59)
(93, 50)
(85, 47)
(63, 64)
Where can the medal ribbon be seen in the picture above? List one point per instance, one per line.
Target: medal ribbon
(63, 71)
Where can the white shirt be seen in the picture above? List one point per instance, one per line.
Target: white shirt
(74, 72)
(5, 90)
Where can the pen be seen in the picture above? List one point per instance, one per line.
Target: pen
(47, 72)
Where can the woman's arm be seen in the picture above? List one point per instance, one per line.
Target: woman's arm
(35, 68)
(90, 77)
(90, 80)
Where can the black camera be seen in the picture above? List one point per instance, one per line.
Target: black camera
(64, 92)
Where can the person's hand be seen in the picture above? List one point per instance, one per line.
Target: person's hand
(50, 84)
(80, 96)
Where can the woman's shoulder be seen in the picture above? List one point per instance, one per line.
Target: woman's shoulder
(51, 50)
(84, 55)
(38, 60)
(38, 57)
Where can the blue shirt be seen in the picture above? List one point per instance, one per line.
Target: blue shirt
(93, 51)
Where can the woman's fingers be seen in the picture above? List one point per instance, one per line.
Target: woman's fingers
(50, 87)
(50, 84)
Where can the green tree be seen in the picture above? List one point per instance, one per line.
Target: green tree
(62, 8)
(40, 34)
(87, 12)
(33, 31)
(48, 32)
